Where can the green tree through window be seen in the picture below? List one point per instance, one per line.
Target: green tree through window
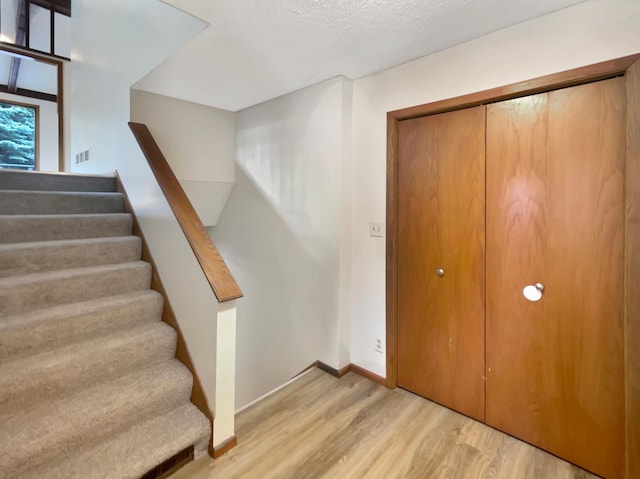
(17, 136)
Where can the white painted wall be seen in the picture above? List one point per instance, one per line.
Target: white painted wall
(47, 128)
(33, 74)
(114, 44)
(282, 232)
(309, 176)
(587, 33)
(8, 20)
(346, 219)
(39, 28)
(199, 144)
(38, 76)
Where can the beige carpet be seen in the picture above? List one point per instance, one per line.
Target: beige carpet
(89, 383)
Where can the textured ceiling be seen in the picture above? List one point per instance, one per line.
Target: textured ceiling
(255, 50)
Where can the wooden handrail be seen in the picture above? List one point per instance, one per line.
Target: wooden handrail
(220, 279)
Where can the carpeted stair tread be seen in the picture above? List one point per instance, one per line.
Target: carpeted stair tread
(43, 330)
(20, 202)
(89, 383)
(24, 258)
(62, 429)
(32, 180)
(27, 228)
(29, 292)
(135, 451)
(61, 372)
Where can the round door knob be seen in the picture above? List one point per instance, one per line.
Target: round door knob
(533, 292)
(440, 272)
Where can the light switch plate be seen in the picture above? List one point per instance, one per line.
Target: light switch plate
(376, 229)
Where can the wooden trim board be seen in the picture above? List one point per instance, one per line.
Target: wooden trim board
(338, 373)
(225, 447)
(60, 6)
(632, 275)
(365, 373)
(311, 366)
(354, 368)
(391, 255)
(198, 396)
(30, 94)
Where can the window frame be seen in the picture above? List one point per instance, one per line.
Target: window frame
(63, 142)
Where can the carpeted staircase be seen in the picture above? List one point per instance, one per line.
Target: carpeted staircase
(89, 386)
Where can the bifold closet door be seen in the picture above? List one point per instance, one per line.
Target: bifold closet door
(556, 219)
(441, 258)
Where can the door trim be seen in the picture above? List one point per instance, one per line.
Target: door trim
(586, 74)
(632, 274)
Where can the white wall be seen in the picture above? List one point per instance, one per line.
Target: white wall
(199, 144)
(114, 44)
(346, 219)
(587, 33)
(282, 231)
(309, 177)
(47, 129)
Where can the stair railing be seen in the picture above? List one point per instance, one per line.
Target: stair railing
(220, 279)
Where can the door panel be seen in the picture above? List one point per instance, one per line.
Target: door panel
(441, 225)
(555, 215)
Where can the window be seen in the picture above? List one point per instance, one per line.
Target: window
(18, 149)
(39, 25)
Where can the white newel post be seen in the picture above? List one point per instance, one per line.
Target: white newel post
(223, 423)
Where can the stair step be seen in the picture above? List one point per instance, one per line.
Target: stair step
(20, 202)
(62, 429)
(60, 373)
(36, 332)
(136, 451)
(28, 228)
(89, 383)
(31, 180)
(30, 292)
(40, 256)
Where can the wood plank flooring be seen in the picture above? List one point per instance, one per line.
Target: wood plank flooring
(323, 427)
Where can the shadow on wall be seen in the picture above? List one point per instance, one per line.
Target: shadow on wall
(285, 319)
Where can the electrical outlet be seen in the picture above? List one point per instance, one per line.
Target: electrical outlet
(376, 229)
(379, 347)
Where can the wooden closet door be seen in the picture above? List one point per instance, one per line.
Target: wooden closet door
(441, 226)
(555, 215)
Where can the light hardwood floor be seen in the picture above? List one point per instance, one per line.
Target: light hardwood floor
(323, 427)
